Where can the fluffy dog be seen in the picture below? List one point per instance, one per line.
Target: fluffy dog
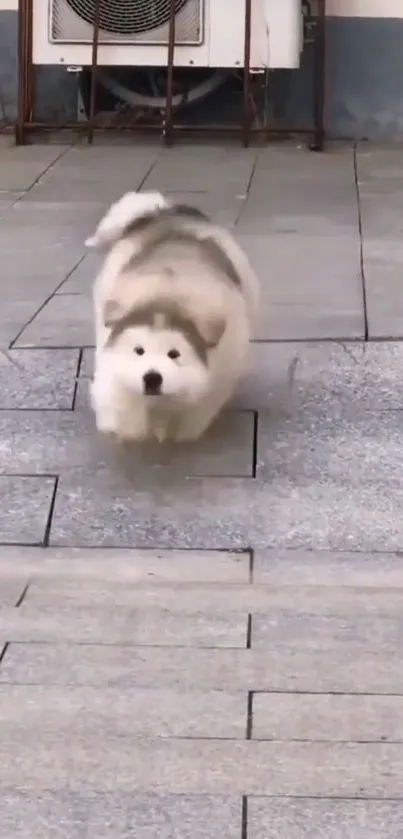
(174, 304)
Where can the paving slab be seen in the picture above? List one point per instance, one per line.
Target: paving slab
(323, 717)
(65, 321)
(353, 666)
(340, 601)
(86, 174)
(324, 628)
(138, 712)
(76, 813)
(12, 590)
(348, 467)
(61, 221)
(124, 625)
(221, 170)
(346, 377)
(53, 762)
(7, 200)
(291, 192)
(63, 228)
(123, 567)
(104, 512)
(37, 281)
(295, 818)
(54, 442)
(382, 271)
(328, 568)
(310, 286)
(81, 280)
(380, 184)
(25, 512)
(380, 181)
(87, 363)
(107, 511)
(38, 379)
(36, 259)
(40, 442)
(74, 219)
(329, 482)
(15, 314)
(21, 166)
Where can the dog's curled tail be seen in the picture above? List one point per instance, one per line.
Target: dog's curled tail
(131, 208)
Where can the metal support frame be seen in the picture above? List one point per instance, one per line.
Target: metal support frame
(26, 123)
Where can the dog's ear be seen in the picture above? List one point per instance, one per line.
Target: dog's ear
(132, 206)
(211, 327)
(207, 314)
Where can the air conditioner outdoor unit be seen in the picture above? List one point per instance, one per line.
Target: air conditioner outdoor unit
(134, 33)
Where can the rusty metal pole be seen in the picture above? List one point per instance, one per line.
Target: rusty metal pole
(319, 78)
(167, 121)
(31, 75)
(246, 117)
(94, 72)
(20, 122)
(25, 70)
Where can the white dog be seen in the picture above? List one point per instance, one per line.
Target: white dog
(174, 304)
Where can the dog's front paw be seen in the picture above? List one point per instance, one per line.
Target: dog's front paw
(105, 415)
(132, 426)
(105, 424)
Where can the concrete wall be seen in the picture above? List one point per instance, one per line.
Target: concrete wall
(364, 73)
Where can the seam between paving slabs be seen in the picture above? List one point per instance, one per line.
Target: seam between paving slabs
(54, 347)
(360, 230)
(255, 442)
(25, 192)
(77, 379)
(46, 537)
(128, 645)
(327, 798)
(43, 543)
(244, 817)
(376, 339)
(3, 651)
(22, 596)
(80, 353)
(41, 307)
(249, 716)
(46, 410)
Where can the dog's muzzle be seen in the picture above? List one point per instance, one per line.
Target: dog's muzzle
(152, 383)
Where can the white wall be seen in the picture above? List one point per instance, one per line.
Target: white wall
(338, 8)
(365, 8)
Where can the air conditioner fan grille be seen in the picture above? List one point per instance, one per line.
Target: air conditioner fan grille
(126, 17)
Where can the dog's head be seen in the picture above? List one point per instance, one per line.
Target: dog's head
(161, 355)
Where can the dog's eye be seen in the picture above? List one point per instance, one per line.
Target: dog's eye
(139, 350)
(173, 354)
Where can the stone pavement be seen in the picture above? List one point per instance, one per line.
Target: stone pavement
(206, 641)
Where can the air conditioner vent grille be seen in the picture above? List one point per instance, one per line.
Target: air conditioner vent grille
(125, 21)
(126, 17)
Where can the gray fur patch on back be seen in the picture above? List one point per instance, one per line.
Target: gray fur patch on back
(138, 225)
(167, 231)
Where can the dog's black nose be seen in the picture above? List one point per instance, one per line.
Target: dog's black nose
(152, 382)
